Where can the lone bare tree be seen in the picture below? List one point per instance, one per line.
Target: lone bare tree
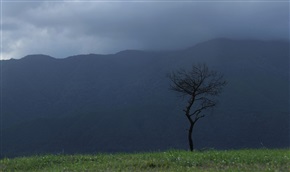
(201, 86)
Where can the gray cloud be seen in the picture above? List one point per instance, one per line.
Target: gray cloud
(61, 29)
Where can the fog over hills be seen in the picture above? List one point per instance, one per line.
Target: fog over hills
(122, 102)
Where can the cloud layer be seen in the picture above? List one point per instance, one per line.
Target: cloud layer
(61, 29)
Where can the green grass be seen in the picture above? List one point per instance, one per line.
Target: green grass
(175, 160)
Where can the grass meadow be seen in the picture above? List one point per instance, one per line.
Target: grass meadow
(172, 160)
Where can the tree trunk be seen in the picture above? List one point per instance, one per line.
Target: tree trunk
(190, 137)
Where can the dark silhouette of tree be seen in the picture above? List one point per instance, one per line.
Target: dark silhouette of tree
(200, 85)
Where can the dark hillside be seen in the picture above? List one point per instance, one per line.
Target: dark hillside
(122, 102)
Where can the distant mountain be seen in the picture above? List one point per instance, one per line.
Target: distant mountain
(122, 102)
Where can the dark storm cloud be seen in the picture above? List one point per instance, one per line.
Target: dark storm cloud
(66, 28)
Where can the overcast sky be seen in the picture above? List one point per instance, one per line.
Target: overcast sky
(62, 29)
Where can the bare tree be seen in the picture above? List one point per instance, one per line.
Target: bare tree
(201, 86)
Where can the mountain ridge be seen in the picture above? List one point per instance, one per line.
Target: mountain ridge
(211, 41)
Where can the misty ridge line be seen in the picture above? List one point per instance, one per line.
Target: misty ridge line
(158, 51)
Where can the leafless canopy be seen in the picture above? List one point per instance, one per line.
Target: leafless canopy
(198, 81)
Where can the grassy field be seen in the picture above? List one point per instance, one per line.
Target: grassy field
(175, 160)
